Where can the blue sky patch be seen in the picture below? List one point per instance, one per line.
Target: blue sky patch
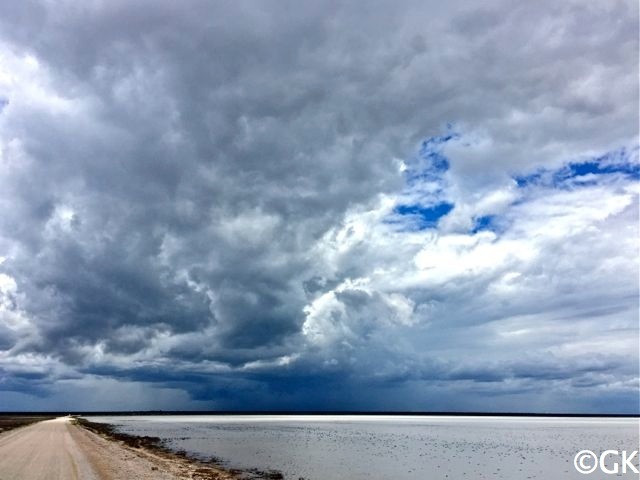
(526, 180)
(430, 163)
(427, 217)
(423, 200)
(431, 149)
(619, 161)
(486, 222)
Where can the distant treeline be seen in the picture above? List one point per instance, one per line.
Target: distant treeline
(323, 412)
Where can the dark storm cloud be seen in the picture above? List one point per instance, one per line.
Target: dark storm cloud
(185, 190)
(230, 123)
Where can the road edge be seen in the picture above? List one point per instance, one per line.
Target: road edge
(154, 448)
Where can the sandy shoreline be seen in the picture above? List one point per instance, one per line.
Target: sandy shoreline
(62, 449)
(153, 447)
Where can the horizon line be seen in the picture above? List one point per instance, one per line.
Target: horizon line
(78, 412)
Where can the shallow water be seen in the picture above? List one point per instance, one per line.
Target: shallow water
(399, 447)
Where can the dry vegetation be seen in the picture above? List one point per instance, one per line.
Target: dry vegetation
(9, 422)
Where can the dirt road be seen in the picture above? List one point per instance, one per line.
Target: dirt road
(58, 449)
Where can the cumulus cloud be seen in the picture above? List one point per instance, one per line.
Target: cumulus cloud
(279, 205)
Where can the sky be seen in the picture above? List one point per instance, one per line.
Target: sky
(322, 205)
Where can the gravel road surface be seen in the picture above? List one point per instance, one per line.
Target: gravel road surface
(60, 450)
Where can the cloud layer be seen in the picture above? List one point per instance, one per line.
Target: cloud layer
(322, 206)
